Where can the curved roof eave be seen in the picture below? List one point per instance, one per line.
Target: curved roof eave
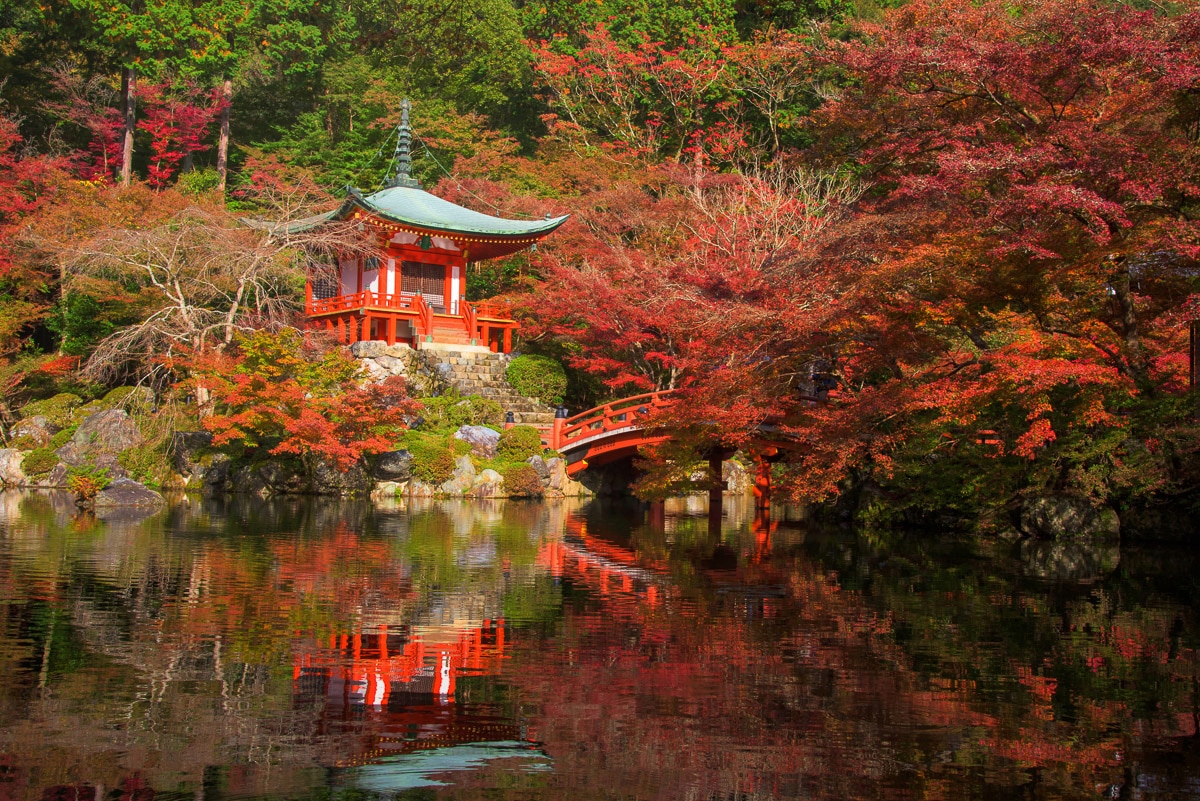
(420, 209)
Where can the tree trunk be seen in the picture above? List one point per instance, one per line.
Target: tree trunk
(128, 81)
(1127, 321)
(223, 140)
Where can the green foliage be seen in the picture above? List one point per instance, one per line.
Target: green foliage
(62, 437)
(519, 443)
(86, 481)
(79, 321)
(59, 410)
(433, 456)
(24, 442)
(522, 481)
(148, 464)
(39, 462)
(450, 411)
(198, 182)
(538, 377)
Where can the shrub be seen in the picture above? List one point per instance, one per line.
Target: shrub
(432, 457)
(25, 442)
(538, 377)
(59, 410)
(145, 463)
(450, 411)
(130, 398)
(39, 462)
(86, 482)
(519, 443)
(62, 437)
(522, 481)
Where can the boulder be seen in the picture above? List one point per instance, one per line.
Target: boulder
(539, 466)
(392, 466)
(483, 440)
(283, 476)
(37, 428)
(374, 372)
(488, 484)
(111, 431)
(556, 470)
(1060, 517)
(399, 351)
(369, 349)
(391, 364)
(11, 474)
(463, 479)
(385, 491)
(329, 480)
(186, 451)
(126, 492)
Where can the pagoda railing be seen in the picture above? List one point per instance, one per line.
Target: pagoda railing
(363, 300)
(479, 319)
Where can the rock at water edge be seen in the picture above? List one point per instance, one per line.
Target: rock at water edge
(126, 492)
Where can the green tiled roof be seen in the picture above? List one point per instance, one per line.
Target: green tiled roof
(418, 208)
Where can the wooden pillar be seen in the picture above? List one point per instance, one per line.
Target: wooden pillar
(308, 295)
(341, 330)
(658, 516)
(485, 335)
(507, 340)
(391, 329)
(352, 325)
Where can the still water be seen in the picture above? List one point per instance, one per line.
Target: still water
(234, 649)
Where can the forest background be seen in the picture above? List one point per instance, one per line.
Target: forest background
(969, 226)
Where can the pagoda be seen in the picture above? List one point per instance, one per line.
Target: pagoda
(414, 290)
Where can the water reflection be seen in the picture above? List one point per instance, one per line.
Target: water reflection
(295, 649)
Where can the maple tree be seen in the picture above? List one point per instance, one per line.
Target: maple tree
(274, 386)
(178, 119)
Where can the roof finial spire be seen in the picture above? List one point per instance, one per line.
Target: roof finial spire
(403, 157)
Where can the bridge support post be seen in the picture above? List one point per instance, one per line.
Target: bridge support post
(658, 516)
(762, 485)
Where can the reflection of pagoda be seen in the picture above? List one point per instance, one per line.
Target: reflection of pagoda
(405, 662)
(396, 687)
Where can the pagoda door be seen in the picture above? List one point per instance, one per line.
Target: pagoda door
(428, 280)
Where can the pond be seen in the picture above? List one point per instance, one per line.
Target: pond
(316, 649)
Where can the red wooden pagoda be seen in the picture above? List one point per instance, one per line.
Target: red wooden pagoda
(414, 291)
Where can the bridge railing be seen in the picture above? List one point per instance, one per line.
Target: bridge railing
(612, 416)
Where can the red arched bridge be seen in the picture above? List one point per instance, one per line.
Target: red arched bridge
(616, 430)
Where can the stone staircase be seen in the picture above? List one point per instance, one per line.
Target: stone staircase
(474, 373)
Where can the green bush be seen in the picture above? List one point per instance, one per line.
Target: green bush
(522, 481)
(145, 463)
(59, 410)
(450, 411)
(140, 398)
(62, 437)
(538, 377)
(198, 181)
(39, 462)
(519, 443)
(433, 457)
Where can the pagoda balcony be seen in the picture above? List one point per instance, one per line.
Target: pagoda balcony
(410, 319)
